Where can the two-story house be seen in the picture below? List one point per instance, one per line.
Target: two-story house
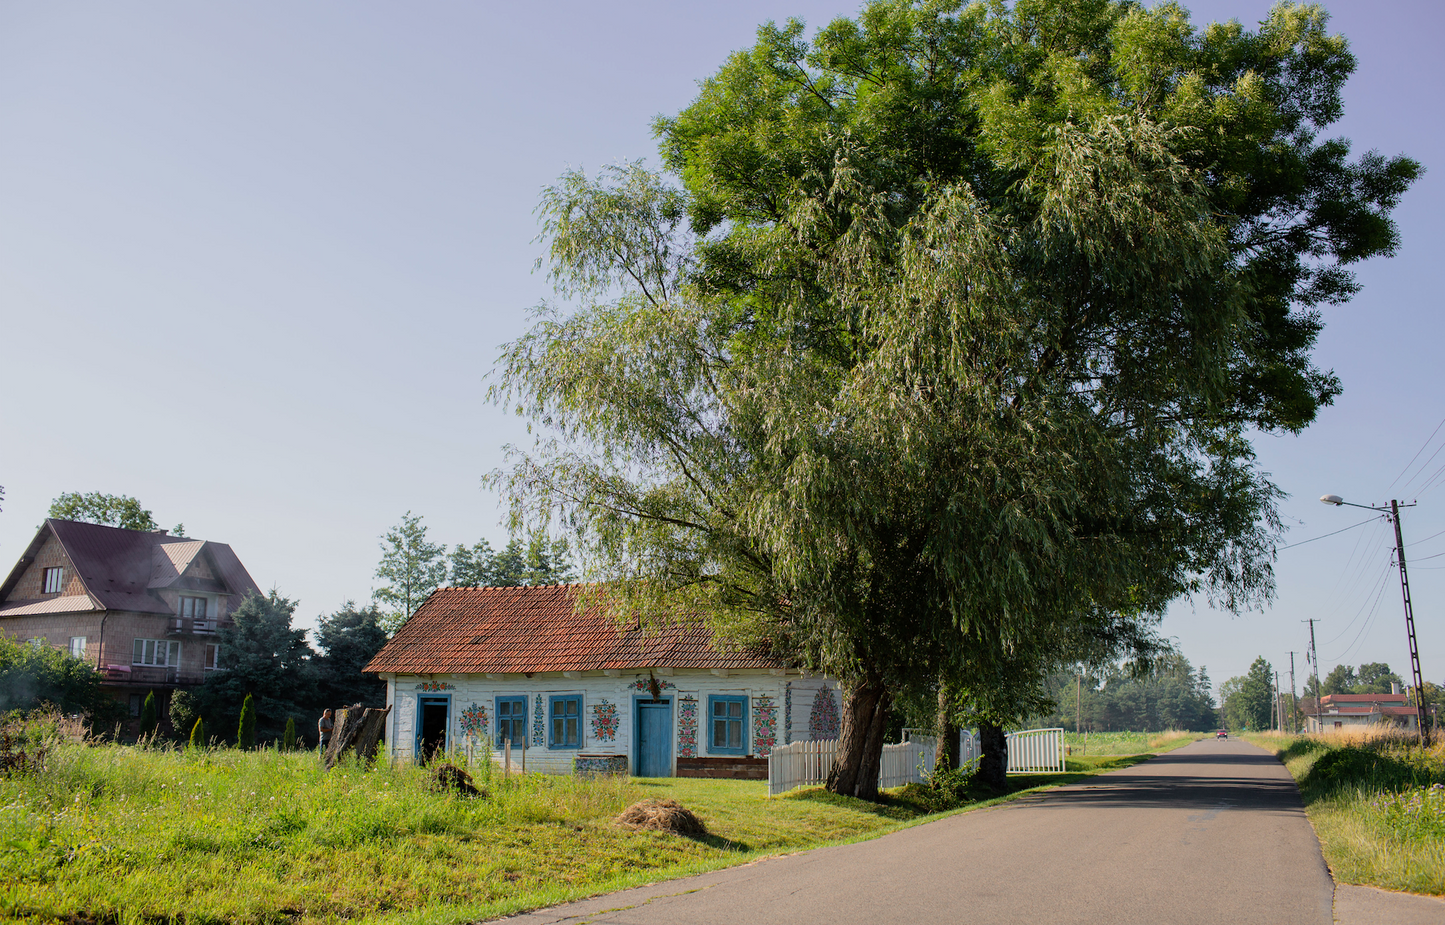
(143, 608)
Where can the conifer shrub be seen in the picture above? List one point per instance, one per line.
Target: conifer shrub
(288, 738)
(148, 718)
(246, 733)
(198, 734)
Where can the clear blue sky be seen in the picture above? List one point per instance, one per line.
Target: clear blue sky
(257, 259)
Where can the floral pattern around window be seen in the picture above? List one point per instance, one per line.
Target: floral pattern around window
(435, 686)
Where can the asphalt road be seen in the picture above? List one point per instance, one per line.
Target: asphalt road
(1210, 833)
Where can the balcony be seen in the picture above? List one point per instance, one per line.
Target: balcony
(184, 626)
(154, 676)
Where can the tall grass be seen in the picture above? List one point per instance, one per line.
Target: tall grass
(1128, 743)
(1377, 801)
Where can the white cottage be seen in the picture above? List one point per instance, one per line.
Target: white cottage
(476, 667)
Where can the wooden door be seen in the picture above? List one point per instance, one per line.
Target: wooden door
(654, 738)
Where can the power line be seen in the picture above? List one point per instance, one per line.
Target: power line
(1417, 456)
(1384, 577)
(1325, 536)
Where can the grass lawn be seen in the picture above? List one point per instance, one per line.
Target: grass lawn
(120, 834)
(1377, 803)
(1128, 743)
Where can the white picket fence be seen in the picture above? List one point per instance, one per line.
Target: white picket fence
(803, 764)
(1036, 751)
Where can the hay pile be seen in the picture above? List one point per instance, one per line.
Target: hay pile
(451, 777)
(662, 816)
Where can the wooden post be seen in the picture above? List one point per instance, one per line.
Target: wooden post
(506, 758)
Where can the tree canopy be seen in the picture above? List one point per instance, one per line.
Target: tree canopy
(413, 568)
(111, 510)
(261, 656)
(940, 363)
(542, 561)
(1246, 702)
(349, 639)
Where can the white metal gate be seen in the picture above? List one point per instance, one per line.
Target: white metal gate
(1036, 751)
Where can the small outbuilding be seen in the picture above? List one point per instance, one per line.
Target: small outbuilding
(486, 669)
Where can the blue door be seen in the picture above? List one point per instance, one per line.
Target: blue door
(654, 738)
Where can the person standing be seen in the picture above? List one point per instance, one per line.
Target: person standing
(323, 729)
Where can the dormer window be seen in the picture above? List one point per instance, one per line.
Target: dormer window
(54, 580)
(193, 607)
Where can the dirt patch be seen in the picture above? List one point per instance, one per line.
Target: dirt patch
(662, 816)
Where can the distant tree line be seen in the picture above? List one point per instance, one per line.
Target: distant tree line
(1171, 694)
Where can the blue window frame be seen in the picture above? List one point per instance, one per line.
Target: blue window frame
(511, 720)
(564, 721)
(727, 723)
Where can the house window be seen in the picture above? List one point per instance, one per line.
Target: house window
(213, 657)
(728, 717)
(54, 577)
(77, 647)
(193, 607)
(158, 652)
(135, 704)
(512, 719)
(566, 714)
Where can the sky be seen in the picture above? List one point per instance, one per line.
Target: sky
(257, 262)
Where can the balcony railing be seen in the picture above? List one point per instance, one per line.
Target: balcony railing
(152, 674)
(183, 626)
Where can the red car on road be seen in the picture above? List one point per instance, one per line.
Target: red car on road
(1222, 734)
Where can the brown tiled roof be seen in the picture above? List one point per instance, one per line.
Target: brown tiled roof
(1328, 699)
(518, 630)
(120, 569)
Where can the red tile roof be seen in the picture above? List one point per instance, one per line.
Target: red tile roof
(1337, 699)
(532, 629)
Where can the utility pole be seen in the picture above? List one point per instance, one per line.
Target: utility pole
(1314, 659)
(1079, 700)
(1393, 513)
(1278, 706)
(1293, 704)
(1410, 624)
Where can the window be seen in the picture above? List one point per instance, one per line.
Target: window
(213, 657)
(728, 718)
(135, 704)
(158, 652)
(54, 578)
(38, 642)
(566, 714)
(194, 607)
(77, 647)
(512, 720)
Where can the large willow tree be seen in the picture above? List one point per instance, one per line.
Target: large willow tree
(940, 363)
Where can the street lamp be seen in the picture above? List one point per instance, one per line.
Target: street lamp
(1393, 514)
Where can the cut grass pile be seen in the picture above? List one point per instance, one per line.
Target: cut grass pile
(125, 834)
(1377, 802)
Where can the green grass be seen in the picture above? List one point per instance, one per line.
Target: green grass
(1129, 743)
(124, 834)
(1377, 803)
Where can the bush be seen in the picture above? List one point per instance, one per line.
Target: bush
(148, 718)
(246, 732)
(288, 738)
(34, 675)
(183, 711)
(948, 787)
(198, 734)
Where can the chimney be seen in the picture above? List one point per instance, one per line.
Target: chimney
(1395, 688)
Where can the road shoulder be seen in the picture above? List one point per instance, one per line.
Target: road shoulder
(1366, 905)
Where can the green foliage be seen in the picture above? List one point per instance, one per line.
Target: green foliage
(947, 788)
(246, 728)
(288, 737)
(198, 734)
(540, 562)
(1372, 678)
(943, 360)
(1170, 694)
(149, 716)
(1246, 701)
(261, 654)
(412, 567)
(112, 510)
(32, 675)
(183, 711)
(350, 638)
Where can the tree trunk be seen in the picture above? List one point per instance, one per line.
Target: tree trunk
(947, 731)
(357, 729)
(993, 765)
(860, 741)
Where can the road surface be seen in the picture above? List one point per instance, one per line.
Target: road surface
(1210, 833)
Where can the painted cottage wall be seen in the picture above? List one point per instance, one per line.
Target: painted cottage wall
(780, 709)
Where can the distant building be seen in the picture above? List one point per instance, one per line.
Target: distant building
(143, 608)
(1353, 711)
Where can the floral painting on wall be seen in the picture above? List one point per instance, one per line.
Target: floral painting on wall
(475, 722)
(604, 720)
(823, 721)
(765, 725)
(687, 726)
(539, 724)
